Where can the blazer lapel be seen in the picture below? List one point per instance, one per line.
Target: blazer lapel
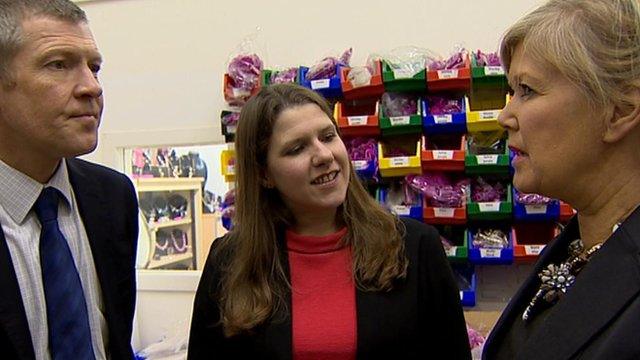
(602, 289)
(13, 318)
(517, 304)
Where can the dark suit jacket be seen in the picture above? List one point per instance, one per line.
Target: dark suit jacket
(109, 211)
(420, 318)
(599, 317)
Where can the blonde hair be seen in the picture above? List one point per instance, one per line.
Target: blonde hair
(253, 282)
(595, 44)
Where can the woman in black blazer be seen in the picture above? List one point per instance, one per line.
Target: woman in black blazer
(314, 268)
(574, 126)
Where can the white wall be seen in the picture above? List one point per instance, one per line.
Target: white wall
(165, 58)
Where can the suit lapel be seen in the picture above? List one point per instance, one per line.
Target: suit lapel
(517, 304)
(605, 285)
(13, 318)
(92, 205)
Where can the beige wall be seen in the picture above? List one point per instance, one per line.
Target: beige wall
(165, 58)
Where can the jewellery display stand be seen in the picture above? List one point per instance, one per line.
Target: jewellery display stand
(174, 232)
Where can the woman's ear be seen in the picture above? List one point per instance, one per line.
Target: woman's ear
(624, 118)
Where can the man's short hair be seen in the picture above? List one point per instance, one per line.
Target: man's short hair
(14, 12)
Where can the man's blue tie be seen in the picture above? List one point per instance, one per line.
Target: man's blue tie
(69, 332)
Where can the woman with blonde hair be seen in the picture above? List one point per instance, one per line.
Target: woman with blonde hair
(314, 268)
(574, 125)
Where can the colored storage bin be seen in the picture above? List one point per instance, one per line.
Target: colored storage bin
(498, 210)
(542, 212)
(329, 88)
(457, 236)
(408, 211)
(400, 81)
(234, 96)
(450, 159)
(487, 76)
(450, 80)
(365, 169)
(529, 239)
(265, 77)
(448, 123)
(566, 212)
(399, 165)
(228, 131)
(373, 90)
(358, 118)
(483, 120)
(468, 275)
(228, 165)
(486, 163)
(487, 256)
(399, 125)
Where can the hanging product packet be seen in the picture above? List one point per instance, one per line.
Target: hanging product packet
(440, 105)
(407, 61)
(532, 199)
(396, 104)
(284, 76)
(487, 59)
(491, 142)
(484, 191)
(327, 67)
(455, 61)
(244, 69)
(439, 189)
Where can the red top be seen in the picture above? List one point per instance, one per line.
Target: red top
(323, 297)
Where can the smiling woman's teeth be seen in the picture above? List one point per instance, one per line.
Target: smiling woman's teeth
(325, 178)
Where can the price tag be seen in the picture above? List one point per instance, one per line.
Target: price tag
(320, 84)
(451, 251)
(402, 210)
(399, 120)
(402, 74)
(360, 164)
(231, 129)
(231, 169)
(357, 120)
(443, 212)
(533, 249)
(447, 74)
(489, 114)
(487, 159)
(399, 161)
(490, 253)
(443, 154)
(536, 209)
(489, 206)
(493, 70)
(443, 119)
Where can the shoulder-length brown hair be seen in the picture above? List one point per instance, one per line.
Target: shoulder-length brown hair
(254, 281)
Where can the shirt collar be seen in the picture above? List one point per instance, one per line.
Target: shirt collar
(19, 192)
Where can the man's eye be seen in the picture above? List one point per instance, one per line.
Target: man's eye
(57, 65)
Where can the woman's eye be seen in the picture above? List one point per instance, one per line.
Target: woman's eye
(525, 90)
(328, 137)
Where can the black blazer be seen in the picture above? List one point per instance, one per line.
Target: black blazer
(420, 318)
(109, 211)
(599, 317)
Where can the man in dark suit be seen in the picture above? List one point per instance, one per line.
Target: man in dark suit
(69, 228)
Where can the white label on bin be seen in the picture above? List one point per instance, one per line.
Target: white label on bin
(536, 209)
(443, 119)
(493, 70)
(359, 164)
(399, 161)
(489, 253)
(399, 120)
(533, 249)
(451, 251)
(357, 120)
(402, 74)
(231, 129)
(461, 295)
(487, 159)
(443, 154)
(489, 114)
(489, 206)
(443, 212)
(447, 74)
(320, 84)
(231, 169)
(401, 210)
(237, 92)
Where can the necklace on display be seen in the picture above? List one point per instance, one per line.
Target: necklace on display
(557, 279)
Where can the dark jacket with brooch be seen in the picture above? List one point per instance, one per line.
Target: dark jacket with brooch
(420, 318)
(598, 318)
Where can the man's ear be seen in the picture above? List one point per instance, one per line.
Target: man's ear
(624, 118)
